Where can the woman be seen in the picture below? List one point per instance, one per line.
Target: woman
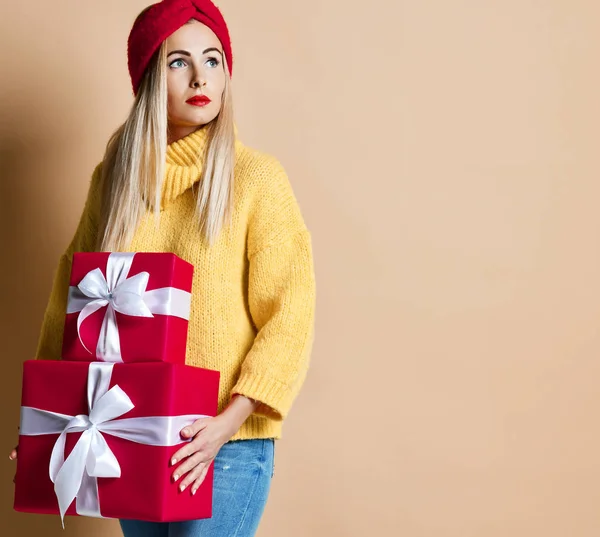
(175, 178)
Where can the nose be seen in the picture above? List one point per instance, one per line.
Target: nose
(197, 81)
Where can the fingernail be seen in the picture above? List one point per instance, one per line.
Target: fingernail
(182, 488)
(10, 457)
(194, 491)
(173, 461)
(186, 432)
(175, 477)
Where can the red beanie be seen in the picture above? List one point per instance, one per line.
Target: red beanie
(160, 21)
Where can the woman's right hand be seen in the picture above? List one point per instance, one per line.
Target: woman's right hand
(13, 456)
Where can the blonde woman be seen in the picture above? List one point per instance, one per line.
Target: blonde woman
(175, 178)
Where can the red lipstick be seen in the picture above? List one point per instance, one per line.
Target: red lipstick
(198, 100)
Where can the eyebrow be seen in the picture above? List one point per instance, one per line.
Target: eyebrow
(186, 53)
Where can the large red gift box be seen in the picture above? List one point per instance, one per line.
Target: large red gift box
(126, 307)
(166, 396)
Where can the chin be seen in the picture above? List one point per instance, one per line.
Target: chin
(201, 117)
(193, 118)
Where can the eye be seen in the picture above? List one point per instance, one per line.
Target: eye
(174, 63)
(213, 62)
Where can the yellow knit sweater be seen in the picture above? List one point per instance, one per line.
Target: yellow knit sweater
(253, 294)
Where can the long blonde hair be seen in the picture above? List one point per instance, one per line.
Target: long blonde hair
(133, 167)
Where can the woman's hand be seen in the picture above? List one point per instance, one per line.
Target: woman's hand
(13, 456)
(208, 434)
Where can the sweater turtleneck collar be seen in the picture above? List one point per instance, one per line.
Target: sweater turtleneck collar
(183, 164)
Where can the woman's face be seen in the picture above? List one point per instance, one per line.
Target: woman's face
(195, 70)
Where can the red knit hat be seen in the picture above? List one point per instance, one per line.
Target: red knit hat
(160, 20)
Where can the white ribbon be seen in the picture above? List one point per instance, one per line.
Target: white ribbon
(91, 458)
(126, 295)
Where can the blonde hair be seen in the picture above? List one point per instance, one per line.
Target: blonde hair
(133, 167)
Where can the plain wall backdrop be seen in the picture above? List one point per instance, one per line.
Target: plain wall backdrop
(444, 153)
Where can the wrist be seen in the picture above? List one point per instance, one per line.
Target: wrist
(230, 424)
(238, 411)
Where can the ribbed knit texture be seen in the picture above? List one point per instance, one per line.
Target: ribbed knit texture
(253, 294)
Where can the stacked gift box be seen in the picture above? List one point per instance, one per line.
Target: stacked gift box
(99, 427)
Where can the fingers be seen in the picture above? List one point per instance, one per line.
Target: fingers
(193, 429)
(194, 475)
(188, 449)
(12, 457)
(200, 479)
(13, 453)
(187, 465)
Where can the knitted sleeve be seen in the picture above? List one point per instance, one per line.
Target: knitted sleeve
(281, 298)
(50, 340)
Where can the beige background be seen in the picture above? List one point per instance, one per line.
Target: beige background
(444, 154)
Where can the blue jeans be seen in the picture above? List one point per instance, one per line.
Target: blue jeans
(243, 472)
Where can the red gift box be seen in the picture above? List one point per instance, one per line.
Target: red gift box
(125, 307)
(159, 400)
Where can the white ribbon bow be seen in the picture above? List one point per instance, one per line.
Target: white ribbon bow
(91, 458)
(126, 295)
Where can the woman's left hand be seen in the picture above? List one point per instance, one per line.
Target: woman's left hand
(209, 435)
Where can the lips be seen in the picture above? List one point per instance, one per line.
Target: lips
(198, 100)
